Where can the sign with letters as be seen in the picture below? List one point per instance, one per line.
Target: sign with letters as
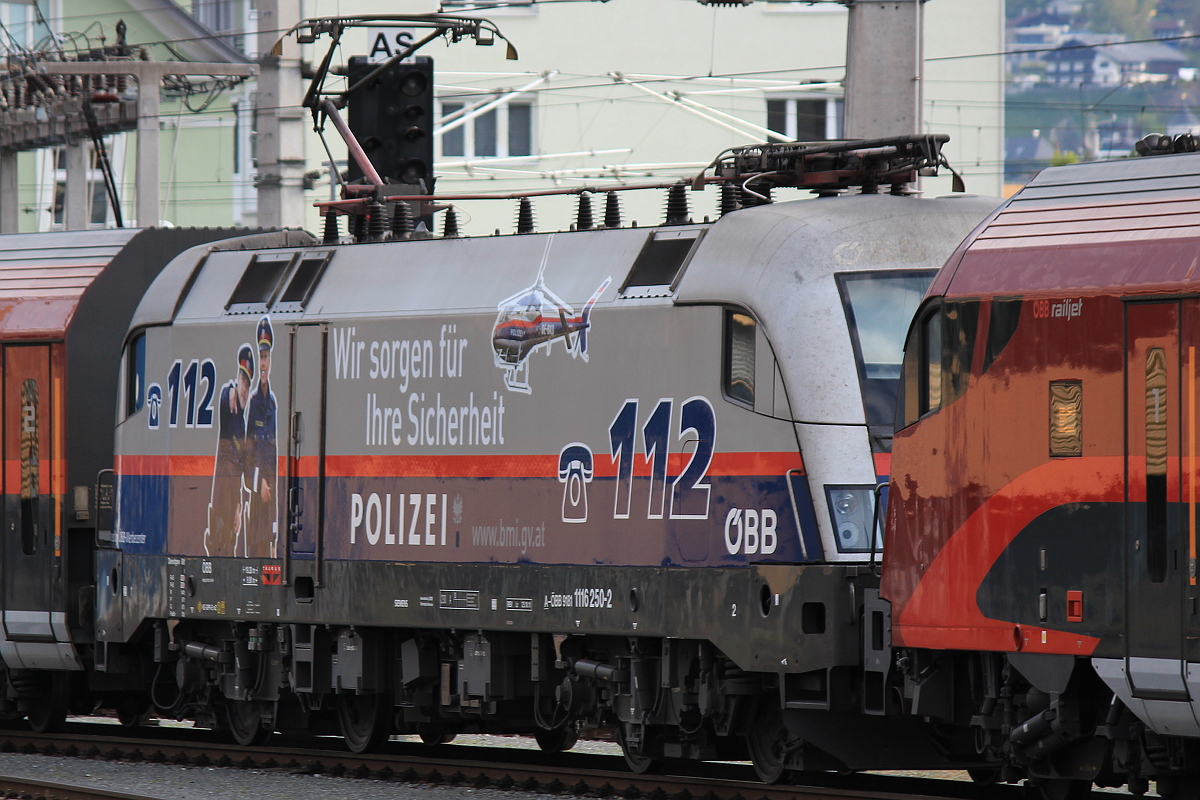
(383, 43)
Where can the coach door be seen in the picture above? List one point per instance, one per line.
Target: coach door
(1156, 549)
(29, 538)
(306, 446)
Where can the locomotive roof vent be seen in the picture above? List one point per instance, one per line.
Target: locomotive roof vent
(278, 282)
(259, 283)
(660, 264)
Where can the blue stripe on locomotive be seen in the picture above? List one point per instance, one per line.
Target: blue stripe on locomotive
(143, 510)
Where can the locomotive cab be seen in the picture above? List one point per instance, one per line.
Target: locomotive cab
(67, 299)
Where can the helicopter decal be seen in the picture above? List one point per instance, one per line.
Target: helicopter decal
(536, 318)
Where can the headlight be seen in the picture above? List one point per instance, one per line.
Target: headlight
(848, 536)
(845, 503)
(852, 510)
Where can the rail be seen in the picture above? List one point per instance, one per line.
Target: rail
(572, 774)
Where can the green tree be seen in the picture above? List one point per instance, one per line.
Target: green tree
(1061, 159)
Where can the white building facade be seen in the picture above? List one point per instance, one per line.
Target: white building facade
(639, 91)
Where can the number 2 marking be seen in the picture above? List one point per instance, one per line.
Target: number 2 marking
(691, 492)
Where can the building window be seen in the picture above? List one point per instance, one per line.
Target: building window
(491, 8)
(97, 203)
(216, 15)
(805, 119)
(505, 131)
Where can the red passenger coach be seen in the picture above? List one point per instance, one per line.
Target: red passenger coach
(1044, 486)
(66, 300)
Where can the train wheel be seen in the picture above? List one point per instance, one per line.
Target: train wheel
(365, 724)
(435, 734)
(768, 740)
(1063, 789)
(133, 710)
(984, 776)
(558, 740)
(641, 764)
(243, 720)
(51, 711)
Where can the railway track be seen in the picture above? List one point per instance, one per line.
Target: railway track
(567, 774)
(15, 787)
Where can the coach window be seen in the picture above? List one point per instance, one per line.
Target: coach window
(30, 466)
(740, 331)
(960, 320)
(1156, 464)
(908, 391)
(931, 362)
(135, 375)
(1006, 315)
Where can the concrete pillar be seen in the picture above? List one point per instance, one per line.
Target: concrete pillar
(280, 123)
(10, 194)
(149, 83)
(75, 194)
(884, 68)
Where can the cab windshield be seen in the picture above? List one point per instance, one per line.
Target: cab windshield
(879, 307)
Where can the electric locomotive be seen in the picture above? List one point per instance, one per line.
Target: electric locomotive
(1041, 551)
(620, 477)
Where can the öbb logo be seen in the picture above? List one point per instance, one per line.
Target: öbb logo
(1057, 309)
(751, 531)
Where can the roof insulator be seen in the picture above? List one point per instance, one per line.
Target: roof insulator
(612, 211)
(677, 205)
(331, 228)
(525, 216)
(402, 220)
(757, 193)
(450, 231)
(583, 219)
(377, 222)
(359, 227)
(729, 199)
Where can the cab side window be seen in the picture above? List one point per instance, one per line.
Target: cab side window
(740, 333)
(135, 375)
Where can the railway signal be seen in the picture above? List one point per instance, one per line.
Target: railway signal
(393, 120)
